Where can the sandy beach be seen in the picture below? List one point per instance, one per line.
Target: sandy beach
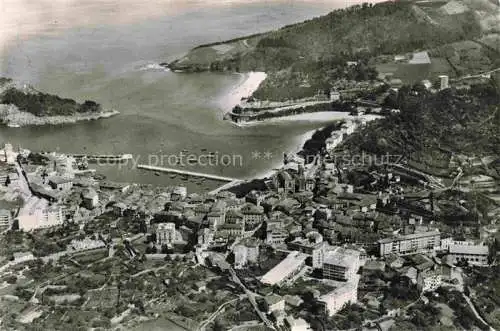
(320, 117)
(247, 85)
(298, 144)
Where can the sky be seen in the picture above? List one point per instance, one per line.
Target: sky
(22, 18)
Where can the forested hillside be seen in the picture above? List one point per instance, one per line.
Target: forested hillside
(304, 57)
(430, 127)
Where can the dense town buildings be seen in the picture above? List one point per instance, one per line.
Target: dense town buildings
(317, 230)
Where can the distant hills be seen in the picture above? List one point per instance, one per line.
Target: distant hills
(302, 58)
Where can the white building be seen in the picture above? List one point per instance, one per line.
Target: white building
(297, 324)
(341, 264)
(245, 253)
(335, 300)
(276, 236)
(427, 84)
(179, 193)
(409, 244)
(37, 213)
(5, 219)
(215, 219)
(206, 237)
(443, 82)
(275, 302)
(285, 270)
(165, 233)
(313, 245)
(8, 154)
(473, 254)
(252, 215)
(60, 183)
(90, 198)
(334, 95)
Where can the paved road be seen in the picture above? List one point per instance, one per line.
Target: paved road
(251, 297)
(471, 305)
(212, 317)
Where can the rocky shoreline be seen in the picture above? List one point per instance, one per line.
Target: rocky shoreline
(11, 116)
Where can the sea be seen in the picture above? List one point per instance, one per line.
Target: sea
(108, 51)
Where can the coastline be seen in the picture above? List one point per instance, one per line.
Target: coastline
(322, 116)
(247, 85)
(298, 145)
(11, 116)
(303, 138)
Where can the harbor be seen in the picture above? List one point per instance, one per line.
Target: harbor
(103, 157)
(186, 173)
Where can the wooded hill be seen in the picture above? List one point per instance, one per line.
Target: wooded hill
(316, 51)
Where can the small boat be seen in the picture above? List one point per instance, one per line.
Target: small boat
(157, 174)
(185, 151)
(13, 125)
(203, 149)
(173, 176)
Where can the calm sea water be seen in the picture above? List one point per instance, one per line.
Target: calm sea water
(162, 112)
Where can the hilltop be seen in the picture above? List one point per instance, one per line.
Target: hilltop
(302, 58)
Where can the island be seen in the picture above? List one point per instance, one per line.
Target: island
(22, 106)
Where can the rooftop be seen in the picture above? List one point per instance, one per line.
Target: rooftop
(273, 298)
(345, 288)
(59, 180)
(280, 272)
(342, 257)
(420, 58)
(469, 249)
